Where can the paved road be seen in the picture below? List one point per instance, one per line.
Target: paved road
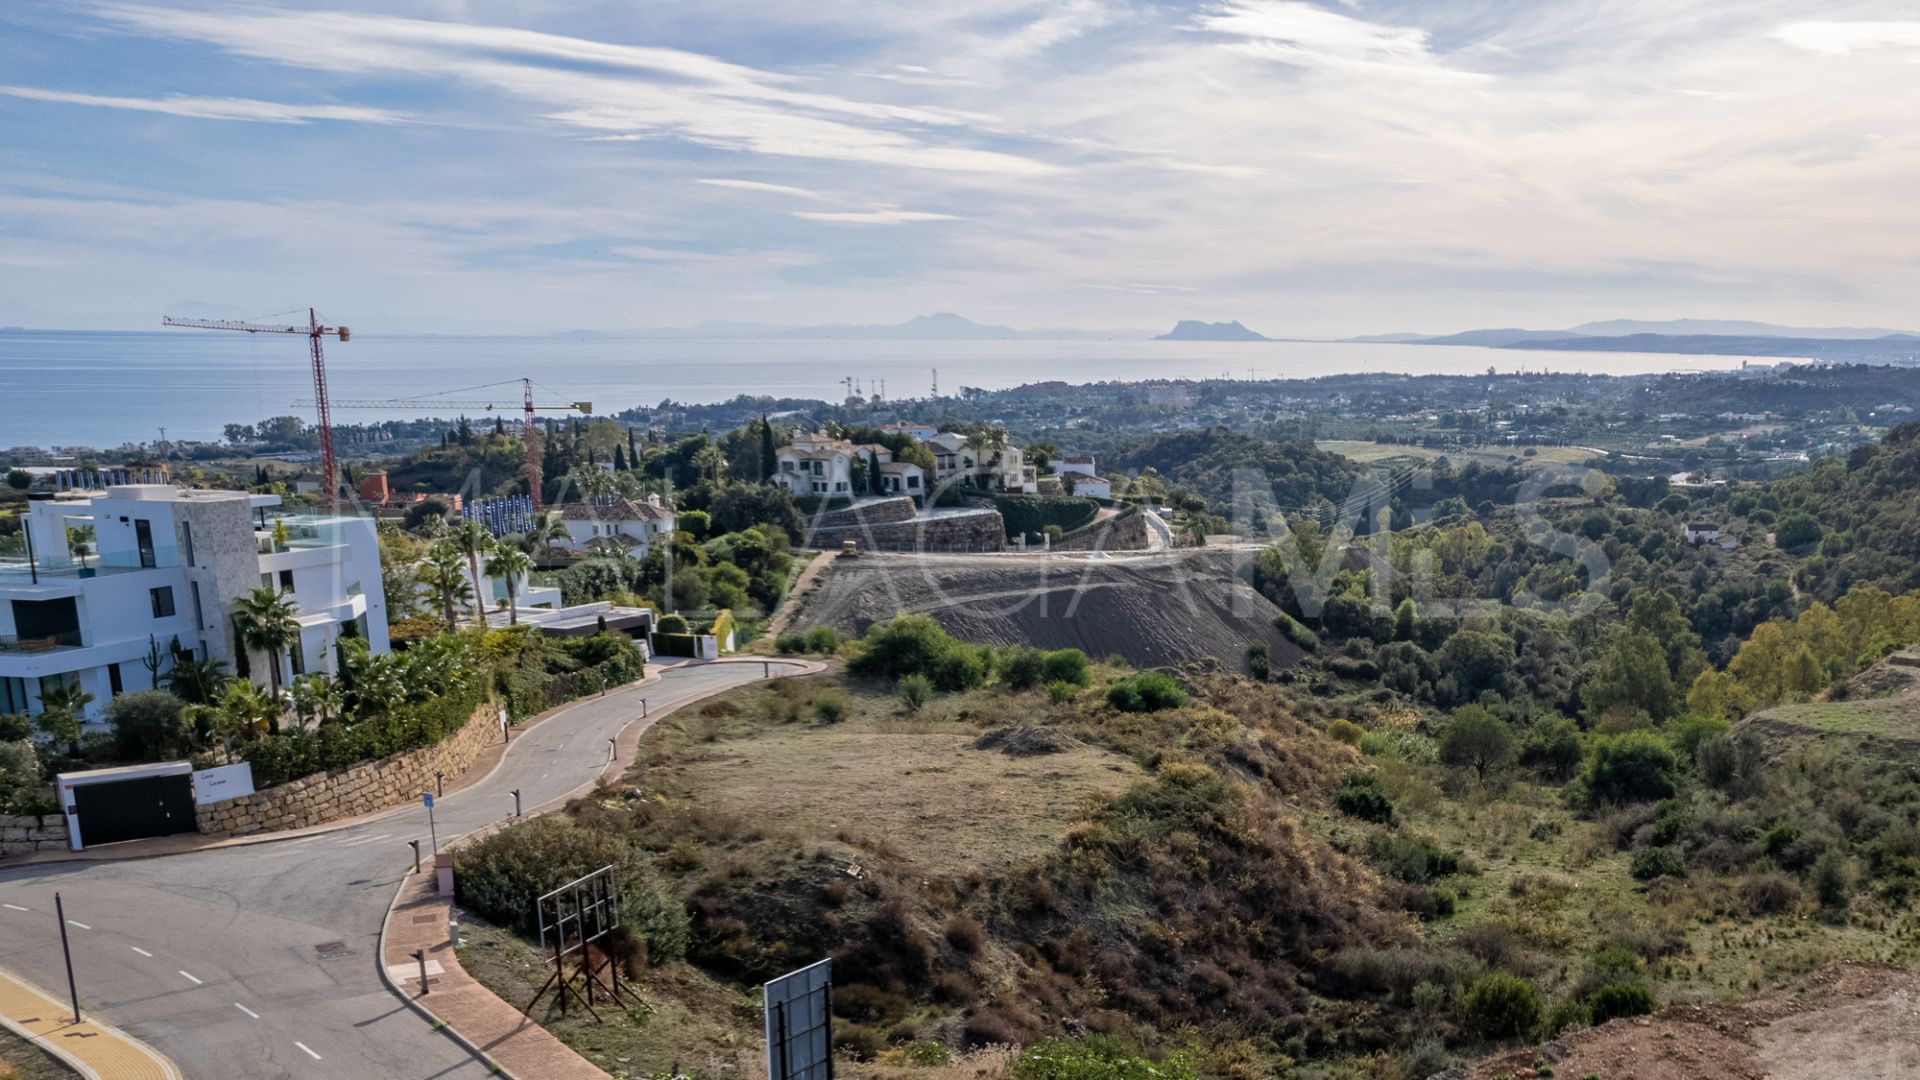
(259, 961)
(1159, 535)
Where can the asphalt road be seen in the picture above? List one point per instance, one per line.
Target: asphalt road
(259, 961)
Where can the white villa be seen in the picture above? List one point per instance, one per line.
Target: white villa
(632, 523)
(917, 432)
(895, 477)
(994, 468)
(817, 465)
(167, 565)
(1085, 479)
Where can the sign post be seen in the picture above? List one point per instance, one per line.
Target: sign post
(427, 798)
(799, 1022)
(73, 991)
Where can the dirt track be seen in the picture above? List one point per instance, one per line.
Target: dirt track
(1155, 610)
(1852, 1022)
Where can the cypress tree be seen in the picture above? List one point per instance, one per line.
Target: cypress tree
(768, 463)
(619, 458)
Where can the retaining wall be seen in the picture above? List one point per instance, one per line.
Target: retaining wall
(26, 835)
(981, 531)
(354, 790)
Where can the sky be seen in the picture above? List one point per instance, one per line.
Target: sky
(527, 166)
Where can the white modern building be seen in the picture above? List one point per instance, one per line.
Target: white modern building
(634, 524)
(115, 579)
(917, 432)
(994, 468)
(1078, 463)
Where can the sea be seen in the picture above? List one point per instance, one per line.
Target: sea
(104, 389)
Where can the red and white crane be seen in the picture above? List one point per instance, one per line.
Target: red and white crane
(329, 467)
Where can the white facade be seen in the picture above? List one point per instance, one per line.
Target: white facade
(918, 432)
(1002, 468)
(632, 523)
(166, 565)
(816, 465)
(1079, 463)
(1695, 532)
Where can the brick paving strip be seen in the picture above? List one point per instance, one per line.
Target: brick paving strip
(492, 1029)
(96, 1050)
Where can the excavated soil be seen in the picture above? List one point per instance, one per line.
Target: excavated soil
(1155, 610)
(1848, 1021)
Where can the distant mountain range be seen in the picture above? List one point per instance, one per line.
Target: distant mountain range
(943, 326)
(1194, 330)
(1699, 337)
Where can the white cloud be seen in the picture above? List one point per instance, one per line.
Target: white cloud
(1845, 38)
(758, 185)
(609, 89)
(871, 217)
(210, 108)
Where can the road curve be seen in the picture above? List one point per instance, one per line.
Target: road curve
(258, 961)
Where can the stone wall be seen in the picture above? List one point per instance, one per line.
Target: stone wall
(868, 513)
(26, 835)
(355, 790)
(982, 530)
(1125, 531)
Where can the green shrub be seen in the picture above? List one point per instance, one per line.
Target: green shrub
(1293, 630)
(1411, 859)
(1502, 1006)
(1637, 766)
(1686, 733)
(790, 644)
(147, 726)
(503, 875)
(1067, 666)
(1346, 731)
(824, 640)
(830, 708)
(1023, 669)
(1360, 796)
(1061, 692)
(963, 667)
(1657, 862)
(915, 691)
(1552, 749)
(1094, 1057)
(1565, 1016)
(1831, 882)
(916, 645)
(673, 624)
(1620, 999)
(926, 1052)
(1149, 691)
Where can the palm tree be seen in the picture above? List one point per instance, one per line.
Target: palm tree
(193, 680)
(710, 460)
(318, 698)
(547, 528)
(265, 621)
(509, 563)
(592, 482)
(60, 709)
(444, 571)
(473, 540)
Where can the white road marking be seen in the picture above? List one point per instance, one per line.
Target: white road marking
(15, 907)
(141, 951)
(246, 1010)
(79, 925)
(188, 975)
(362, 840)
(308, 1049)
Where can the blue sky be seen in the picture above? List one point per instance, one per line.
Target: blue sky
(532, 165)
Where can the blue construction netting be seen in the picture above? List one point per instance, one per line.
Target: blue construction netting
(502, 516)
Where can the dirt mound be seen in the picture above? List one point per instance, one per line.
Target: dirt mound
(1154, 610)
(1851, 1021)
(1027, 740)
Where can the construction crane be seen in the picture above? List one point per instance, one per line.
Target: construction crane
(329, 468)
(530, 431)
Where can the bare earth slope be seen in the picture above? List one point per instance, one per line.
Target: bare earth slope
(1848, 1022)
(1154, 610)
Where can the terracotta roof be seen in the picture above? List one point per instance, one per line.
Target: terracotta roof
(617, 510)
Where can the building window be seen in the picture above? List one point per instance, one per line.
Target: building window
(297, 658)
(113, 680)
(13, 695)
(199, 613)
(286, 581)
(143, 536)
(162, 601)
(186, 541)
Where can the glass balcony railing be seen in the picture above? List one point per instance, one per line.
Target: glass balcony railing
(14, 567)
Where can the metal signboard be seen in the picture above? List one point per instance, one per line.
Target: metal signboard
(222, 783)
(573, 919)
(799, 1018)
